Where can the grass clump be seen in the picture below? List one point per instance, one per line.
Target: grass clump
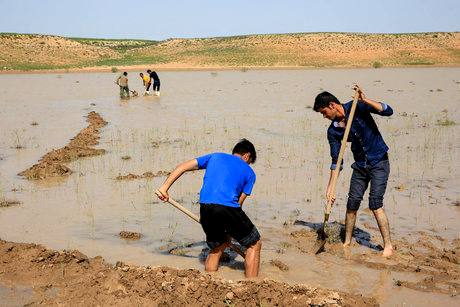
(377, 64)
(114, 69)
(445, 121)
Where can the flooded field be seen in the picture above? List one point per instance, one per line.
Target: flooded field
(202, 112)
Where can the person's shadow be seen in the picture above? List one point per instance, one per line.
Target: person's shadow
(361, 236)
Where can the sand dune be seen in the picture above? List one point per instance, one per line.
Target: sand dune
(311, 50)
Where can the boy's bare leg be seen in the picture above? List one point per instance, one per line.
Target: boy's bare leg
(384, 227)
(212, 261)
(252, 260)
(350, 220)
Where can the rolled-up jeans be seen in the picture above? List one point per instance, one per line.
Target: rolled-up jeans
(377, 176)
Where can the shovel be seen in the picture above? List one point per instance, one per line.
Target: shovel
(197, 219)
(322, 236)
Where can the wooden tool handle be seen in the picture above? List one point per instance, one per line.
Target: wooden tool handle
(197, 219)
(343, 146)
(180, 207)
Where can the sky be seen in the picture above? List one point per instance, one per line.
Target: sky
(159, 20)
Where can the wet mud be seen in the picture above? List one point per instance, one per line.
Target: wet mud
(279, 264)
(421, 201)
(146, 175)
(432, 257)
(79, 280)
(52, 164)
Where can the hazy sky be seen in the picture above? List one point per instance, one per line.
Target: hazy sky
(158, 20)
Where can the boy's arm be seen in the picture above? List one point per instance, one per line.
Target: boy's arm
(374, 106)
(329, 195)
(334, 144)
(176, 173)
(241, 199)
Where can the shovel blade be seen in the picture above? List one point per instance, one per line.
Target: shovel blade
(320, 241)
(319, 246)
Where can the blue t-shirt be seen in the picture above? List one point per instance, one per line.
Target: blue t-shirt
(226, 177)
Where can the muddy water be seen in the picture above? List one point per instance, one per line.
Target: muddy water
(201, 112)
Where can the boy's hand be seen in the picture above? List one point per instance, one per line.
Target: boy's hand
(330, 197)
(360, 92)
(162, 194)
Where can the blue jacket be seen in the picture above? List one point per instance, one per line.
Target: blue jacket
(367, 143)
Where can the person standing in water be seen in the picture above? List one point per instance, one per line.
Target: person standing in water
(156, 82)
(227, 182)
(371, 164)
(122, 82)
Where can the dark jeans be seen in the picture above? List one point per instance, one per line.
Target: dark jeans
(156, 86)
(377, 176)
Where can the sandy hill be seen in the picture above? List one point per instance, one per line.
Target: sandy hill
(27, 52)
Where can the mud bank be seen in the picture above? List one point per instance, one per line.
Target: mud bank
(146, 175)
(71, 278)
(52, 164)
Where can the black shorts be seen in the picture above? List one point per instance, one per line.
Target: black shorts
(221, 222)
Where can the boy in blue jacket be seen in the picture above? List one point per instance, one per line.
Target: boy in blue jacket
(371, 164)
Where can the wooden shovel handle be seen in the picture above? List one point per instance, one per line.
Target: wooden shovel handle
(343, 146)
(197, 219)
(181, 208)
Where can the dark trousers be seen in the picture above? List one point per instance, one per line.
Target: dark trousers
(377, 176)
(156, 86)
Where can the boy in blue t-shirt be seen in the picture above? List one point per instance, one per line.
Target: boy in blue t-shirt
(227, 182)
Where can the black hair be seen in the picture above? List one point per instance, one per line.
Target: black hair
(323, 100)
(141, 74)
(149, 71)
(244, 146)
(125, 73)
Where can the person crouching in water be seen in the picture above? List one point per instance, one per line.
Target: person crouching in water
(227, 182)
(147, 82)
(370, 153)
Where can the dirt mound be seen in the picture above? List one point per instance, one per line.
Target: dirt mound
(51, 164)
(146, 175)
(8, 203)
(130, 235)
(71, 278)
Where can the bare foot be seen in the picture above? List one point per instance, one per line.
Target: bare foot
(346, 244)
(346, 252)
(387, 251)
